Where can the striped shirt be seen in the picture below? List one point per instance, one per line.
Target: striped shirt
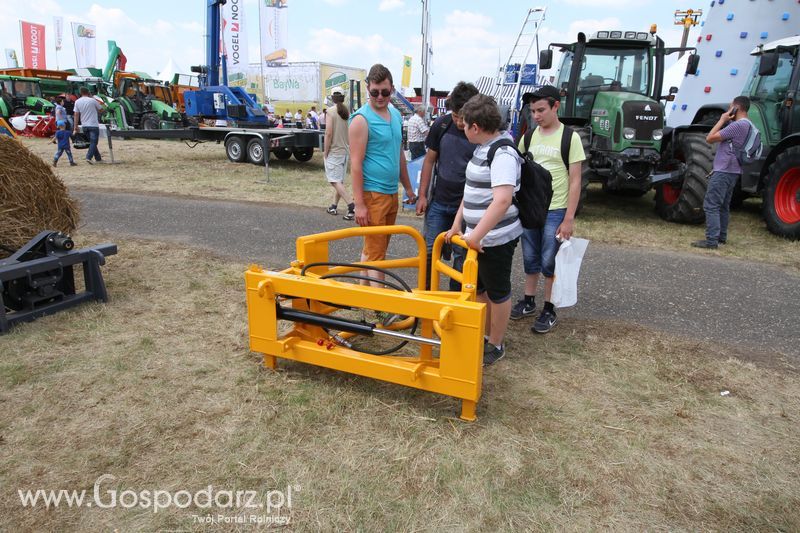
(505, 170)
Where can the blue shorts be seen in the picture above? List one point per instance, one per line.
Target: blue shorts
(539, 246)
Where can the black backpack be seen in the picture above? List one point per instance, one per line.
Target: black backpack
(535, 189)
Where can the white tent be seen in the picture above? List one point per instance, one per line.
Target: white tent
(169, 70)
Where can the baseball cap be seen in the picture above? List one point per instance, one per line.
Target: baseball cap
(337, 90)
(547, 91)
(61, 123)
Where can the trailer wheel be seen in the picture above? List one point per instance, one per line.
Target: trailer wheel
(282, 153)
(782, 194)
(303, 154)
(150, 122)
(255, 151)
(683, 202)
(235, 149)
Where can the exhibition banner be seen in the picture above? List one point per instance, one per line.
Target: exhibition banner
(84, 37)
(58, 25)
(33, 44)
(234, 41)
(273, 30)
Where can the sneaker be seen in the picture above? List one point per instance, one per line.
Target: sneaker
(73, 164)
(332, 210)
(545, 322)
(55, 163)
(492, 354)
(723, 241)
(89, 161)
(704, 244)
(350, 215)
(521, 309)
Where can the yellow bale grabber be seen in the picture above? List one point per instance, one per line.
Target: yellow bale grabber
(346, 317)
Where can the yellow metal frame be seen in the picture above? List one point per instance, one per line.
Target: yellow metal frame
(455, 318)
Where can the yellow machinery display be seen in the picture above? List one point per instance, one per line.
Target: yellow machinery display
(305, 313)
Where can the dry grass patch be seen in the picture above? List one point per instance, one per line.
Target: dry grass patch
(598, 425)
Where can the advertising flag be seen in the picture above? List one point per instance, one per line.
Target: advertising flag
(406, 81)
(33, 44)
(83, 35)
(234, 42)
(58, 24)
(273, 30)
(11, 58)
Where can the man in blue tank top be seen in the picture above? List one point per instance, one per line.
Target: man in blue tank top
(377, 161)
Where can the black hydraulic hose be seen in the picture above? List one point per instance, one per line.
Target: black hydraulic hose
(392, 275)
(403, 286)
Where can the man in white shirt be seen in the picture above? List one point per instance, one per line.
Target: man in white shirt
(417, 132)
(86, 115)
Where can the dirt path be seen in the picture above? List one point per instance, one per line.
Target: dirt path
(749, 306)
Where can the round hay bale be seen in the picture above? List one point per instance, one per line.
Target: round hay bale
(32, 198)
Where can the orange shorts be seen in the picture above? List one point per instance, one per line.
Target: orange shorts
(382, 211)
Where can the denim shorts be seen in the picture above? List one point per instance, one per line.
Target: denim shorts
(539, 246)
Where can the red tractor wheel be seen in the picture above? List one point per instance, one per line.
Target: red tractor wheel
(782, 194)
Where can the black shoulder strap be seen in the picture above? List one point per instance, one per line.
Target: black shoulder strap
(566, 144)
(527, 139)
(442, 129)
(505, 141)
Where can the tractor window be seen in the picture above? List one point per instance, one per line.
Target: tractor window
(773, 88)
(564, 69)
(27, 88)
(5, 88)
(626, 69)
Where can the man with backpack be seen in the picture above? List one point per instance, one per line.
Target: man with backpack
(441, 184)
(490, 216)
(739, 140)
(558, 149)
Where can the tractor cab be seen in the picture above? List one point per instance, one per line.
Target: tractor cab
(20, 95)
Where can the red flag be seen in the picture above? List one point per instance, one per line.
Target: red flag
(33, 44)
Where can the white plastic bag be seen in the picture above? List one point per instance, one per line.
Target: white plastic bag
(568, 267)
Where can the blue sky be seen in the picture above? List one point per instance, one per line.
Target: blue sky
(468, 35)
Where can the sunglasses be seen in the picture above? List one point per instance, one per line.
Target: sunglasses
(386, 93)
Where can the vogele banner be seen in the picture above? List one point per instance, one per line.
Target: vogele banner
(273, 30)
(234, 42)
(11, 58)
(84, 37)
(33, 44)
(58, 25)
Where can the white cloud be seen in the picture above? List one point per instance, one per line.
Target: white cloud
(389, 5)
(332, 46)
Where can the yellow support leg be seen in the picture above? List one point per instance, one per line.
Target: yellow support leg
(468, 410)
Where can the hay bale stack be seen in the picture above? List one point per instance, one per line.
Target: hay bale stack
(32, 198)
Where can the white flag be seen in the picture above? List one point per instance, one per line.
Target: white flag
(58, 24)
(83, 35)
(234, 42)
(273, 30)
(11, 58)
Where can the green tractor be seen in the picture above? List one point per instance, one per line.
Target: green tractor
(612, 84)
(20, 95)
(143, 104)
(773, 88)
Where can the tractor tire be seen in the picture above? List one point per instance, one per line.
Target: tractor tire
(585, 169)
(150, 122)
(684, 202)
(256, 152)
(782, 194)
(303, 154)
(282, 153)
(236, 149)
